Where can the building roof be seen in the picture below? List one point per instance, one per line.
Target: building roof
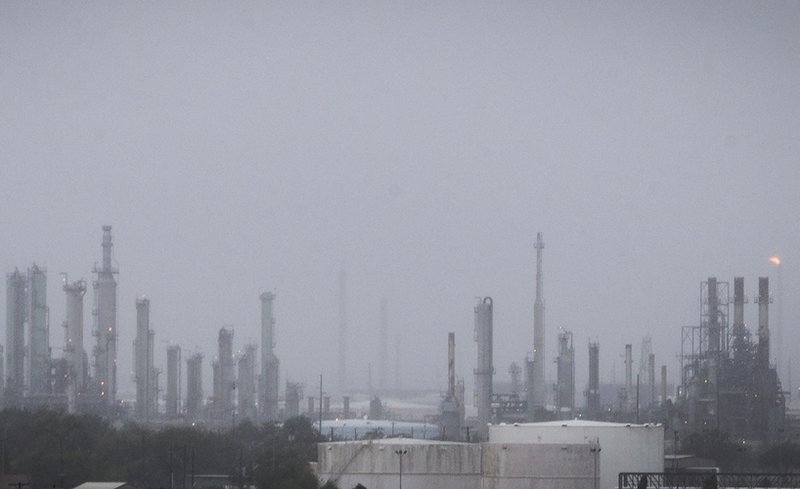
(104, 485)
(397, 441)
(582, 423)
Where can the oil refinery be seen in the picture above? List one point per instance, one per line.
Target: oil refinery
(726, 381)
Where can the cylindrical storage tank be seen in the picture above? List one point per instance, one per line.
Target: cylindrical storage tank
(624, 447)
(376, 464)
(540, 466)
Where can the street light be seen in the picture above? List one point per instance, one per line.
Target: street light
(595, 451)
(400, 453)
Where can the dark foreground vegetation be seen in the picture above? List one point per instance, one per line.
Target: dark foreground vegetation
(61, 450)
(736, 456)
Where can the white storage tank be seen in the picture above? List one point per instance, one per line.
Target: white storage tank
(375, 464)
(539, 466)
(623, 447)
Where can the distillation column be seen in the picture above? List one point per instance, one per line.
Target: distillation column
(451, 408)
(485, 367)
(269, 361)
(651, 377)
(630, 399)
(740, 337)
(246, 388)
(38, 332)
(105, 324)
(15, 334)
(342, 331)
(145, 375)
(593, 392)
(383, 382)
(173, 397)
(74, 353)
(713, 317)
(227, 376)
(539, 385)
(763, 299)
(565, 366)
(194, 385)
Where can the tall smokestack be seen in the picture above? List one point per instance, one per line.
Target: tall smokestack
(738, 303)
(713, 316)
(540, 388)
(15, 334)
(763, 322)
(739, 338)
(383, 383)
(485, 367)
(194, 385)
(451, 365)
(105, 323)
(593, 393)
(246, 383)
(342, 331)
(269, 361)
(651, 377)
(629, 397)
(73, 349)
(173, 380)
(145, 375)
(38, 332)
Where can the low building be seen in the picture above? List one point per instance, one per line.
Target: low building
(105, 485)
(621, 447)
(376, 464)
(535, 466)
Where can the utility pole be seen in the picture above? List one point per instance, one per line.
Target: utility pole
(400, 453)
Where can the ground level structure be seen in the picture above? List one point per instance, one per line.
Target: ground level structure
(424, 464)
(619, 447)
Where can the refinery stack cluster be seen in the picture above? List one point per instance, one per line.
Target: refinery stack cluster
(77, 381)
(84, 378)
(726, 381)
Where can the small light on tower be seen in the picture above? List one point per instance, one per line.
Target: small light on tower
(775, 260)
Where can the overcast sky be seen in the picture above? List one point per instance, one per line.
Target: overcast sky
(240, 147)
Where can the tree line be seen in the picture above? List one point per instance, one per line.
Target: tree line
(59, 450)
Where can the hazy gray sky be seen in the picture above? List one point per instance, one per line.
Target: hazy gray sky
(239, 147)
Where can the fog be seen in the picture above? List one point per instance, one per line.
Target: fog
(250, 146)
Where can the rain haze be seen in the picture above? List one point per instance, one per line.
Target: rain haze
(243, 147)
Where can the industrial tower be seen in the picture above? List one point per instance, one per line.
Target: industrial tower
(74, 353)
(246, 388)
(38, 333)
(452, 406)
(269, 361)
(539, 386)
(173, 397)
(593, 391)
(565, 367)
(384, 346)
(15, 335)
(194, 386)
(485, 367)
(145, 375)
(225, 376)
(342, 331)
(105, 325)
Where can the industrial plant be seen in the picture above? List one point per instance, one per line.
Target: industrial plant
(726, 383)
